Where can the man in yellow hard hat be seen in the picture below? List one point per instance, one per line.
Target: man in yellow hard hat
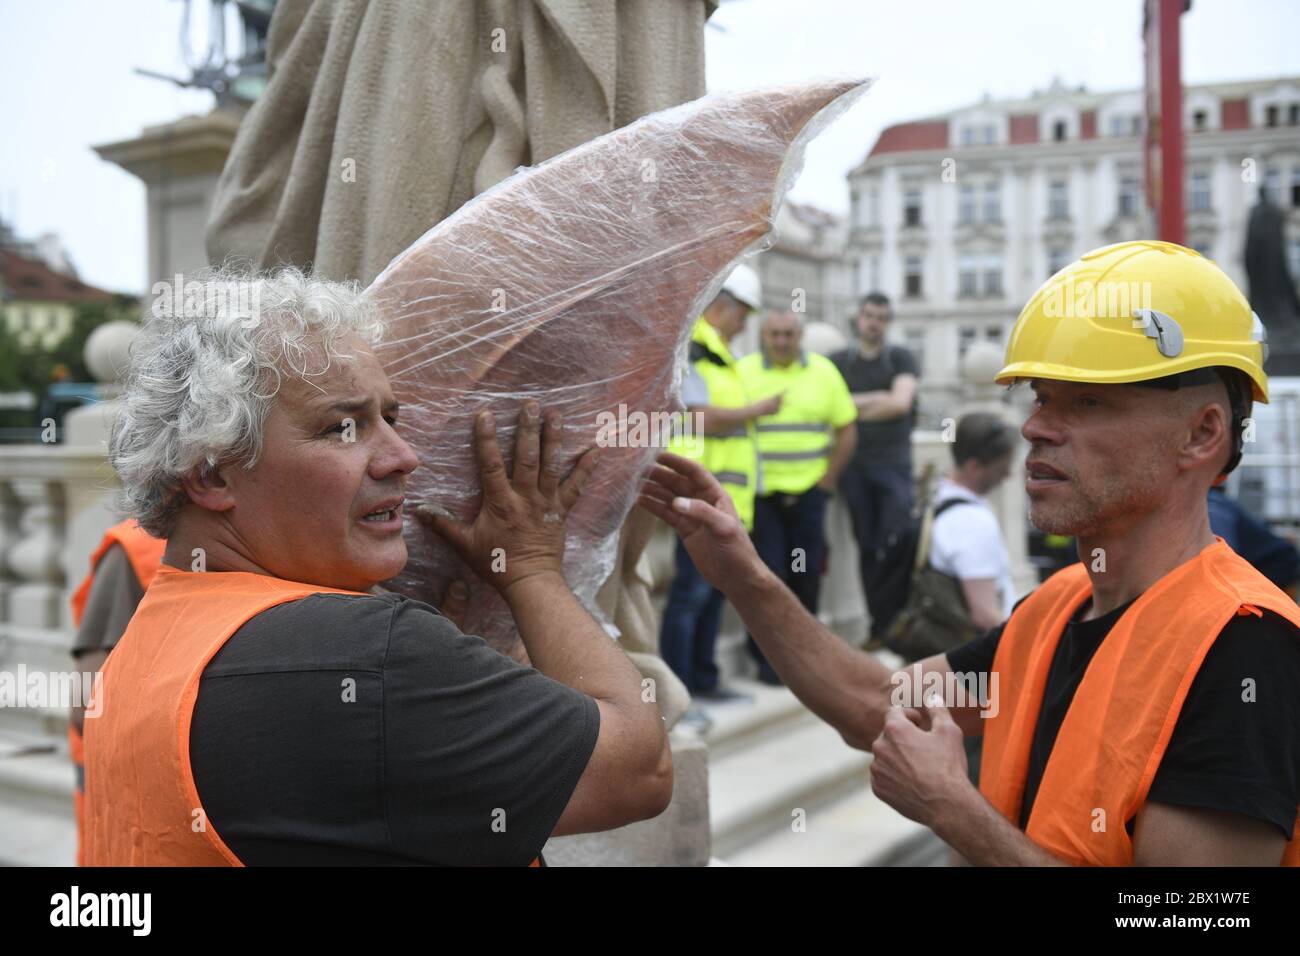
(1139, 707)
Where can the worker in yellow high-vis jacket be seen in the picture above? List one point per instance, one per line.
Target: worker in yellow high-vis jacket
(721, 437)
(802, 449)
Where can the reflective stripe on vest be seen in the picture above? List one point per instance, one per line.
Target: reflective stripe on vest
(823, 452)
(731, 478)
(794, 427)
(1129, 698)
(794, 444)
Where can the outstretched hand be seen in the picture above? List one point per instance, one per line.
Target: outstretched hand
(684, 494)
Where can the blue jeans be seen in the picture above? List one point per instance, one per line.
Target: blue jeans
(879, 497)
(690, 626)
(784, 524)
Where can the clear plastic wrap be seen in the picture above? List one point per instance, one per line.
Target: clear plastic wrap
(576, 283)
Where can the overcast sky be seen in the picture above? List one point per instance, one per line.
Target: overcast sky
(67, 81)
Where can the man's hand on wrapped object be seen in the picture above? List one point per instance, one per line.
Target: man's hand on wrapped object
(519, 531)
(683, 493)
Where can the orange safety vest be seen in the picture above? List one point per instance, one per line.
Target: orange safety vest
(142, 806)
(1123, 713)
(145, 552)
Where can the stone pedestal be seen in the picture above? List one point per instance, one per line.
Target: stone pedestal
(179, 164)
(679, 836)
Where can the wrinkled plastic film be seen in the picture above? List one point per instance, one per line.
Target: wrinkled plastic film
(575, 284)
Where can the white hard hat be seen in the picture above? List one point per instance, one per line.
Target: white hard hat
(744, 286)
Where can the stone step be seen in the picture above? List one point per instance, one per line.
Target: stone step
(857, 829)
(40, 778)
(755, 790)
(34, 724)
(34, 837)
(741, 724)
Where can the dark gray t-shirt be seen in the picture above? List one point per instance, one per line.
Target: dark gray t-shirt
(115, 593)
(883, 442)
(343, 729)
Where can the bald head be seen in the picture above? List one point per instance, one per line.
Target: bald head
(782, 335)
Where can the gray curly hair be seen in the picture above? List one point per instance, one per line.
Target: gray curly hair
(205, 371)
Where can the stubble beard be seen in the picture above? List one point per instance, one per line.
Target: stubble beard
(1108, 503)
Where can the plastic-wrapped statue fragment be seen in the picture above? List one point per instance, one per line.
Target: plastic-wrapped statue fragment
(576, 283)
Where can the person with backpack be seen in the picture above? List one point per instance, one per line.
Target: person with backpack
(948, 579)
(877, 484)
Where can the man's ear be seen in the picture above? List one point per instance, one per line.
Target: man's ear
(207, 488)
(1210, 438)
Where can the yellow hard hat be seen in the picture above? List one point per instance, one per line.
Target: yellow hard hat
(1133, 312)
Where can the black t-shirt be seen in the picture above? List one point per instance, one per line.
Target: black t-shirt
(346, 729)
(889, 441)
(1225, 753)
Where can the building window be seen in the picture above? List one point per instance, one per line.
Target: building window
(912, 277)
(914, 340)
(1128, 196)
(1199, 193)
(1273, 184)
(1293, 248)
(1117, 126)
(1135, 124)
(873, 208)
(993, 276)
(993, 333)
(967, 277)
(1270, 116)
(1199, 119)
(990, 135)
(1295, 186)
(1058, 202)
(1058, 257)
(912, 207)
(968, 136)
(992, 201)
(875, 273)
(1058, 131)
(966, 204)
(1293, 114)
(966, 336)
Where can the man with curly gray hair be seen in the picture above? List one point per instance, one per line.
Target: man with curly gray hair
(266, 704)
